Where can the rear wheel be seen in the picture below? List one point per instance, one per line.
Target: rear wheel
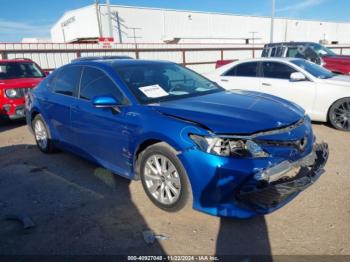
(339, 114)
(164, 178)
(41, 134)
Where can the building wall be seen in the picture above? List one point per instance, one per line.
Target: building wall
(79, 23)
(158, 25)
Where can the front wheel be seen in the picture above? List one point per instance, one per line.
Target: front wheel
(164, 178)
(339, 114)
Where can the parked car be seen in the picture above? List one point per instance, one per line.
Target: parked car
(16, 77)
(237, 154)
(324, 95)
(316, 53)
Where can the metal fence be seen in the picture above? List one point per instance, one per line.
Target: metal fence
(199, 57)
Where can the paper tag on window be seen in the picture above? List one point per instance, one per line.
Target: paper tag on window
(153, 91)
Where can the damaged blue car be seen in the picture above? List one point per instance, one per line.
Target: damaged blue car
(228, 153)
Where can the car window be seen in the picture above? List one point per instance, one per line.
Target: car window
(277, 51)
(13, 70)
(277, 70)
(95, 82)
(265, 52)
(248, 69)
(313, 69)
(152, 82)
(294, 52)
(67, 80)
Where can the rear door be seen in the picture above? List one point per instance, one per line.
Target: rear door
(242, 76)
(276, 81)
(57, 104)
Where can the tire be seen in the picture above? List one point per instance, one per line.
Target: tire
(42, 135)
(166, 183)
(339, 114)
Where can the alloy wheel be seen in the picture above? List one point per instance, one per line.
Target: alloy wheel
(162, 179)
(341, 115)
(40, 134)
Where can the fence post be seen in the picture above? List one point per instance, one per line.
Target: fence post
(222, 54)
(3, 55)
(183, 57)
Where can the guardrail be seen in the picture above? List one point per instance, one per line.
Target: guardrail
(200, 57)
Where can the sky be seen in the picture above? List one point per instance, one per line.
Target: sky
(34, 18)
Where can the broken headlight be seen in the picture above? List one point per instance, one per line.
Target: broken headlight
(228, 147)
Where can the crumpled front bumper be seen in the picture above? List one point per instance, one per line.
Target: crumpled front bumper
(276, 186)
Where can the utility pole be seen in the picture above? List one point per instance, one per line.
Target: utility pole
(253, 42)
(134, 34)
(108, 3)
(273, 2)
(119, 28)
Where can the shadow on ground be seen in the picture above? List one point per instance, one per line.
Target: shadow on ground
(244, 238)
(77, 207)
(8, 125)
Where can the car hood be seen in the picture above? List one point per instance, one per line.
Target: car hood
(339, 80)
(19, 82)
(234, 112)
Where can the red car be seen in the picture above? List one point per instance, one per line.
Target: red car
(16, 77)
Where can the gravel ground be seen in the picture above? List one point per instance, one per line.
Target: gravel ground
(79, 208)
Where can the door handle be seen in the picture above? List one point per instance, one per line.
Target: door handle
(266, 84)
(224, 80)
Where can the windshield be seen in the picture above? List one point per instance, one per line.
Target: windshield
(14, 70)
(313, 69)
(323, 51)
(155, 82)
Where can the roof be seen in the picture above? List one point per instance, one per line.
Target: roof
(121, 62)
(291, 43)
(15, 60)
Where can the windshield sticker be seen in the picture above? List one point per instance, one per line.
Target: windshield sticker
(153, 91)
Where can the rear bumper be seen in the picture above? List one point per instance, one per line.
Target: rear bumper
(264, 196)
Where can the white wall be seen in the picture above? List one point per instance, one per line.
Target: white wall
(83, 23)
(158, 25)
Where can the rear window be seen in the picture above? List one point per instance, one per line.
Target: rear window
(67, 80)
(12, 70)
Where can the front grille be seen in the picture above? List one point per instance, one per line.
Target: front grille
(299, 144)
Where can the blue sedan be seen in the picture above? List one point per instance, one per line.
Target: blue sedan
(228, 153)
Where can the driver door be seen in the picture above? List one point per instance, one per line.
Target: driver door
(101, 134)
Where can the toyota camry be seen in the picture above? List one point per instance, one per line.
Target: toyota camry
(189, 141)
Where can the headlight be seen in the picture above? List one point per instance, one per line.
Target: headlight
(11, 93)
(228, 147)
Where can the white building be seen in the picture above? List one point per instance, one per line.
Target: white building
(154, 25)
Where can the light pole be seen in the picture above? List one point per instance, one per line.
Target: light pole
(273, 2)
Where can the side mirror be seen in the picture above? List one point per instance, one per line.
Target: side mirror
(297, 76)
(46, 72)
(106, 102)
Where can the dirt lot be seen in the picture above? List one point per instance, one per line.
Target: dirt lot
(79, 208)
